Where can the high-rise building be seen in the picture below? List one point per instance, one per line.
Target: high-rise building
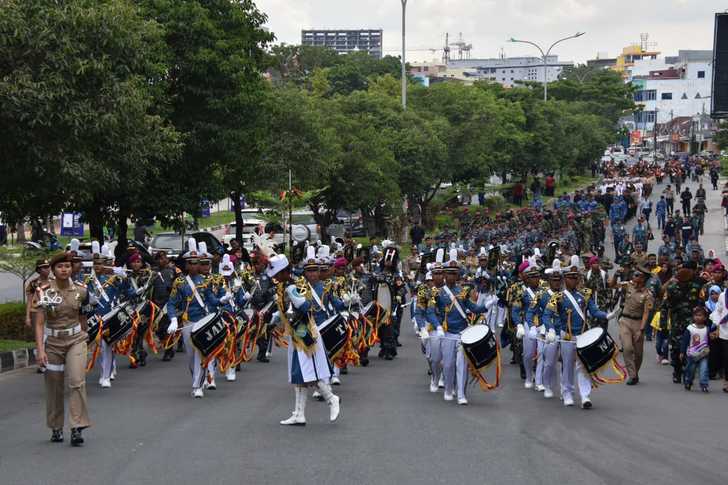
(346, 41)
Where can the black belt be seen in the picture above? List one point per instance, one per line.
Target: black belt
(631, 317)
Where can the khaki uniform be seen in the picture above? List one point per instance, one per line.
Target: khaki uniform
(66, 350)
(636, 303)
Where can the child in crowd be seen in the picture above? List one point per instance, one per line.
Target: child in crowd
(694, 349)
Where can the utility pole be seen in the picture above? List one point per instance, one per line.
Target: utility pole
(404, 68)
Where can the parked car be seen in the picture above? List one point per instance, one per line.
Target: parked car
(175, 244)
(250, 226)
(304, 227)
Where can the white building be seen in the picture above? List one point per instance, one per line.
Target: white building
(671, 87)
(510, 70)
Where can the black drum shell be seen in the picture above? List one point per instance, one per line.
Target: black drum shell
(595, 355)
(482, 352)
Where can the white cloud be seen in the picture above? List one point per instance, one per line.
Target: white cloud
(610, 24)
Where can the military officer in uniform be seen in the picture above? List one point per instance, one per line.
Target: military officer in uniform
(637, 308)
(61, 321)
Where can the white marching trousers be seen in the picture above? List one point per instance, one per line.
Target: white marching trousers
(433, 352)
(453, 364)
(572, 365)
(194, 357)
(107, 360)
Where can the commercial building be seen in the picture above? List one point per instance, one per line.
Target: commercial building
(346, 41)
(509, 71)
(669, 89)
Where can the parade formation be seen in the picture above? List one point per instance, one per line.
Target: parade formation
(531, 280)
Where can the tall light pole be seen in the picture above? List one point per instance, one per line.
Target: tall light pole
(404, 69)
(544, 55)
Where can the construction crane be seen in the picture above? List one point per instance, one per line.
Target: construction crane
(462, 46)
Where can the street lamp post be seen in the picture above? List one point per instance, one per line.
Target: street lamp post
(544, 56)
(404, 73)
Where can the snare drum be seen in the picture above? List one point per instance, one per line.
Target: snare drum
(595, 348)
(479, 345)
(209, 333)
(333, 333)
(93, 324)
(117, 324)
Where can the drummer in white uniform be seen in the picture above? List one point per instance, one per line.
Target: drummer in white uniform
(565, 315)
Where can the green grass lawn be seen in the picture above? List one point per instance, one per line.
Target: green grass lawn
(8, 345)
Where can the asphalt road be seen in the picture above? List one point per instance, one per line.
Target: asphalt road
(148, 430)
(11, 287)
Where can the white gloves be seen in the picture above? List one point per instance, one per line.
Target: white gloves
(119, 271)
(542, 330)
(520, 331)
(226, 298)
(551, 336)
(247, 296)
(424, 334)
(492, 300)
(612, 314)
(532, 332)
(172, 326)
(415, 327)
(440, 332)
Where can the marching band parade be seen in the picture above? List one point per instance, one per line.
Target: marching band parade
(532, 283)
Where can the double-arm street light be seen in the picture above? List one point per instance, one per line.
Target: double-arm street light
(544, 55)
(404, 73)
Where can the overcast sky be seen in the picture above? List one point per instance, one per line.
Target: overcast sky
(486, 24)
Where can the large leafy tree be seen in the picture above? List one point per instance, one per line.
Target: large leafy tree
(80, 129)
(215, 52)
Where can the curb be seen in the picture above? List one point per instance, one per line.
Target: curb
(16, 359)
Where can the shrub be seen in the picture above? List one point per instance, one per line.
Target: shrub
(12, 322)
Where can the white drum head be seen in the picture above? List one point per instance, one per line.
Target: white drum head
(327, 322)
(474, 334)
(203, 321)
(111, 314)
(589, 337)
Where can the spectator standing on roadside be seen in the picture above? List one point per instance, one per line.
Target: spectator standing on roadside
(669, 199)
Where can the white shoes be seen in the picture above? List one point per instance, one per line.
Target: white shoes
(268, 354)
(197, 393)
(298, 418)
(230, 375)
(441, 382)
(448, 396)
(568, 401)
(462, 401)
(664, 362)
(548, 393)
(586, 403)
(433, 385)
(113, 372)
(105, 383)
(528, 384)
(540, 388)
(335, 381)
(334, 407)
(210, 385)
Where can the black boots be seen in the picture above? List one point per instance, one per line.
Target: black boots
(76, 437)
(57, 436)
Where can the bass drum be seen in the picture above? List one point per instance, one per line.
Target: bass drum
(93, 324)
(209, 333)
(117, 324)
(333, 334)
(595, 348)
(479, 345)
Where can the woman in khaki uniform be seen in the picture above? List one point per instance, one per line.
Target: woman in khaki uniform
(64, 351)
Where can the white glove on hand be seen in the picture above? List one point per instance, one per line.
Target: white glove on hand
(172, 326)
(542, 330)
(424, 334)
(612, 314)
(119, 271)
(492, 300)
(440, 332)
(532, 332)
(520, 331)
(247, 296)
(226, 298)
(551, 336)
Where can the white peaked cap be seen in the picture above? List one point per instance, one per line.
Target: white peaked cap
(575, 261)
(482, 251)
(310, 253)
(453, 255)
(192, 245)
(202, 246)
(95, 248)
(75, 244)
(440, 256)
(537, 252)
(226, 267)
(323, 252)
(276, 264)
(556, 265)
